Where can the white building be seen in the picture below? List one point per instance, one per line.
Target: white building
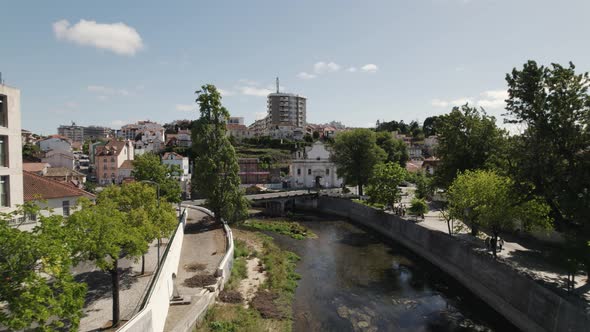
(55, 142)
(55, 198)
(11, 162)
(60, 158)
(312, 168)
(184, 178)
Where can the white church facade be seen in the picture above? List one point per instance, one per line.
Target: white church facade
(312, 168)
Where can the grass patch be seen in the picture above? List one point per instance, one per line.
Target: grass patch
(289, 228)
(369, 204)
(272, 311)
(239, 270)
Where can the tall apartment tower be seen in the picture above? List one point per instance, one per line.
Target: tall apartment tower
(11, 161)
(73, 132)
(286, 109)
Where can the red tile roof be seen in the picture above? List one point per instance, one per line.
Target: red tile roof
(34, 167)
(111, 148)
(37, 187)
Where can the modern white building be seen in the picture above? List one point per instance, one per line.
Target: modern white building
(11, 162)
(184, 178)
(312, 168)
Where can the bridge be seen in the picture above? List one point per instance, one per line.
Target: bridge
(275, 203)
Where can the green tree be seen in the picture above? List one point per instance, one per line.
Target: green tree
(418, 207)
(468, 140)
(308, 138)
(396, 149)
(37, 288)
(31, 152)
(483, 198)
(149, 167)
(356, 153)
(551, 158)
(139, 202)
(383, 184)
(315, 135)
(216, 165)
(429, 126)
(103, 234)
(424, 185)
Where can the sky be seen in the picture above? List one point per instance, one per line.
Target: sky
(115, 62)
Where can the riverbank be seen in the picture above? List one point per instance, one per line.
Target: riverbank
(526, 304)
(260, 291)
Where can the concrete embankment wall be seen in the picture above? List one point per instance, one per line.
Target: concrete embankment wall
(152, 316)
(527, 304)
(198, 308)
(156, 301)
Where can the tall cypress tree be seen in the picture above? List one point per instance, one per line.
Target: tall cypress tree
(215, 174)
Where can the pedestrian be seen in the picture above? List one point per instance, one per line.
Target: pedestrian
(500, 244)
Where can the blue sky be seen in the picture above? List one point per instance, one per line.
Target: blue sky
(114, 62)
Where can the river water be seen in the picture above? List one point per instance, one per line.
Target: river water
(355, 280)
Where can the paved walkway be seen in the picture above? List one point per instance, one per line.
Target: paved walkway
(98, 308)
(204, 243)
(520, 254)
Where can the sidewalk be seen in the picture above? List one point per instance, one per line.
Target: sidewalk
(98, 307)
(204, 243)
(516, 252)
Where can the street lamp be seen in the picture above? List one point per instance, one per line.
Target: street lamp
(158, 197)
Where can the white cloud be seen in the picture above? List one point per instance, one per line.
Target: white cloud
(439, 103)
(325, 67)
(369, 68)
(117, 123)
(105, 90)
(185, 107)
(116, 37)
(248, 82)
(461, 101)
(260, 115)
(102, 98)
(254, 91)
(305, 76)
(493, 99)
(225, 93)
(352, 69)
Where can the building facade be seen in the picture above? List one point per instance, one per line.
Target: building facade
(11, 162)
(286, 109)
(109, 159)
(312, 168)
(55, 142)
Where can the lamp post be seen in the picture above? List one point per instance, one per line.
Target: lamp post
(158, 197)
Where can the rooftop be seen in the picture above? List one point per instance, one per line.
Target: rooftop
(38, 187)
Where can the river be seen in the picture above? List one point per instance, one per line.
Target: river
(355, 280)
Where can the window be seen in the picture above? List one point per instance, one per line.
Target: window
(4, 191)
(327, 171)
(309, 171)
(4, 151)
(299, 171)
(31, 216)
(65, 205)
(3, 111)
(112, 159)
(104, 160)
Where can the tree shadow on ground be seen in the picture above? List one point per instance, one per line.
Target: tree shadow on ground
(201, 226)
(99, 283)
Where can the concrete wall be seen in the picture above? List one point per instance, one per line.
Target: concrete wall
(152, 316)
(12, 131)
(524, 302)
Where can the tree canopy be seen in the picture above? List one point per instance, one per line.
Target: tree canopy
(216, 165)
(469, 138)
(37, 286)
(356, 153)
(383, 184)
(396, 149)
(484, 198)
(149, 167)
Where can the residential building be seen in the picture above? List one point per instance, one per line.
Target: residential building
(238, 120)
(239, 131)
(97, 133)
(258, 128)
(430, 164)
(430, 144)
(73, 132)
(37, 168)
(11, 167)
(184, 178)
(92, 150)
(312, 168)
(125, 170)
(27, 137)
(55, 198)
(62, 174)
(109, 159)
(415, 151)
(251, 173)
(286, 109)
(147, 136)
(55, 142)
(60, 158)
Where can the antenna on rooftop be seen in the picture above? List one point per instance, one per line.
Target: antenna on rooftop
(277, 84)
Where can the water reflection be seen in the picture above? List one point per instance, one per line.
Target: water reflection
(354, 280)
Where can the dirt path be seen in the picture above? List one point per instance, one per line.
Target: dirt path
(256, 277)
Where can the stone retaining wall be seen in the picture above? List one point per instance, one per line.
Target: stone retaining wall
(525, 303)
